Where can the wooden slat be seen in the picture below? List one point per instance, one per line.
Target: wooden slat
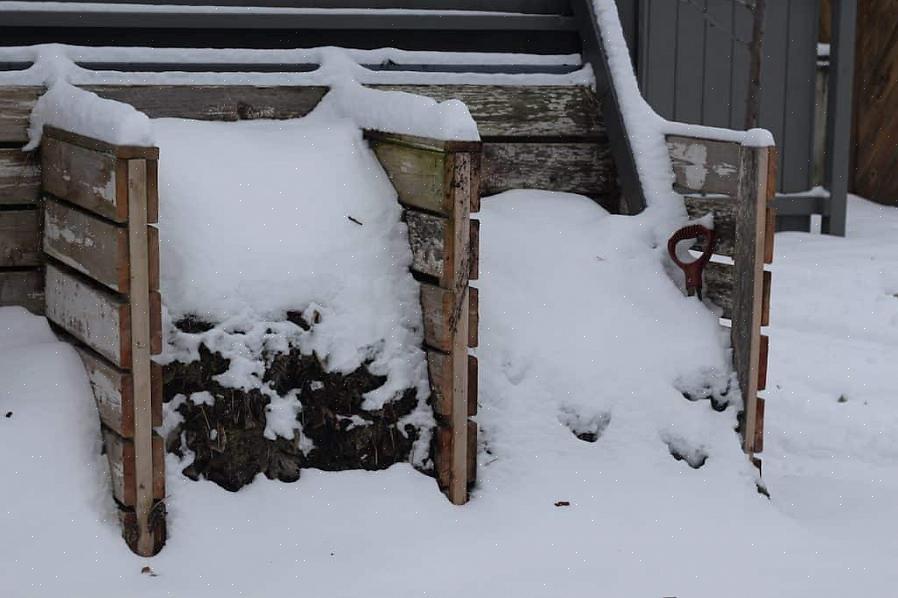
(438, 306)
(427, 236)
(23, 287)
(473, 385)
(98, 145)
(20, 175)
(121, 454)
(418, 175)
(472, 452)
(458, 488)
(152, 191)
(769, 235)
(473, 318)
(474, 273)
(439, 368)
(585, 168)
(516, 6)
(703, 165)
(522, 111)
(718, 286)
(762, 362)
(95, 317)
(758, 439)
(215, 102)
(16, 104)
(442, 456)
(20, 238)
(765, 297)
(114, 393)
(94, 247)
(85, 177)
(724, 211)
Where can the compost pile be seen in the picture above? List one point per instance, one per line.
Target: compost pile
(293, 326)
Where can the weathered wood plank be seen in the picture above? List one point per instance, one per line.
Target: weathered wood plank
(427, 235)
(439, 368)
(473, 317)
(754, 193)
(20, 176)
(474, 272)
(114, 393)
(88, 244)
(762, 362)
(84, 177)
(97, 318)
(758, 439)
(422, 143)
(16, 104)
(23, 287)
(473, 384)
(20, 238)
(704, 165)
(458, 487)
(215, 102)
(585, 168)
(718, 286)
(724, 211)
(418, 175)
(472, 453)
(438, 307)
(98, 145)
(522, 111)
(121, 456)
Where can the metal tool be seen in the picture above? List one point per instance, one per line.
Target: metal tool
(693, 270)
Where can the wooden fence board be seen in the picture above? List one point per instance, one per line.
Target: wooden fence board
(88, 244)
(705, 166)
(15, 111)
(718, 286)
(418, 175)
(585, 168)
(87, 178)
(20, 238)
(473, 385)
(427, 240)
(473, 317)
(439, 368)
(97, 318)
(474, 270)
(23, 287)
(20, 176)
(114, 393)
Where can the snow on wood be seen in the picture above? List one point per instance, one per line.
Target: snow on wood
(20, 238)
(20, 175)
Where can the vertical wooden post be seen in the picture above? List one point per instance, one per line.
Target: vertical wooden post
(757, 186)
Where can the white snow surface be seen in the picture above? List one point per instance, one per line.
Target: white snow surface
(579, 330)
(67, 107)
(258, 218)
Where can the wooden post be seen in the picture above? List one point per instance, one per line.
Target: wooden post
(103, 289)
(438, 185)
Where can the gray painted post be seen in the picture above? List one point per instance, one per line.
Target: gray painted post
(838, 118)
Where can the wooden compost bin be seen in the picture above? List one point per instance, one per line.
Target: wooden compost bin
(102, 289)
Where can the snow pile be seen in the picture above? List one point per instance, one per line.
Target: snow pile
(262, 218)
(66, 107)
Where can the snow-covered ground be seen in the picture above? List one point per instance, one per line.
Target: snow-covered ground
(581, 330)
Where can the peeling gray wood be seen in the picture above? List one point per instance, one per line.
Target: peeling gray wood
(20, 176)
(15, 111)
(717, 285)
(724, 211)
(92, 246)
(585, 168)
(427, 239)
(704, 165)
(20, 238)
(24, 288)
(87, 178)
(418, 175)
(96, 318)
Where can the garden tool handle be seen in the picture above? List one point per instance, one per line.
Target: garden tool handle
(693, 270)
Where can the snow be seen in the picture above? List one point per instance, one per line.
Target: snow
(639, 523)
(54, 61)
(67, 107)
(258, 218)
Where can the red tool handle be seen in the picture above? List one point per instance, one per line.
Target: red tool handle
(692, 270)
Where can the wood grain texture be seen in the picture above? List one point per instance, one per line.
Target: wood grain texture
(97, 318)
(472, 453)
(94, 247)
(717, 286)
(20, 238)
(724, 212)
(704, 165)
(215, 102)
(15, 110)
(418, 175)
(438, 307)
(474, 270)
(585, 168)
(113, 391)
(120, 454)
(427, 236)
(89, 179)
(98, 145)
(522, 111)
(24, 288)
(473, 317)
(20, 176)
(473, 385)
(439, 368)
